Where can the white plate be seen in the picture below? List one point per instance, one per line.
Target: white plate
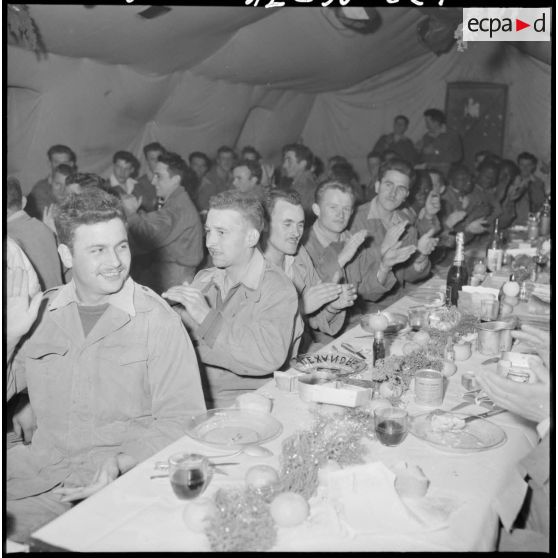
(233, 428)
(477, 435)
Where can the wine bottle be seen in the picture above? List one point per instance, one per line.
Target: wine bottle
(457, 273)
(378, 347)
(544, 223)
(495, 252)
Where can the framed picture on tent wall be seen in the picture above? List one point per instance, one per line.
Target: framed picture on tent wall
(477, 110)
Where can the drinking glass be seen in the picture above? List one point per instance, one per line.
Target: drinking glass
(417, 317)
(391, 425)
(489, 308)
(189, 474)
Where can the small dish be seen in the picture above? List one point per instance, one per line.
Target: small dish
(396, 322)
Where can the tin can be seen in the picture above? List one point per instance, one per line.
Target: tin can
(429, 387)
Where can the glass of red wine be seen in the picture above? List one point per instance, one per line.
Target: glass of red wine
(189, 474)
(391, 425)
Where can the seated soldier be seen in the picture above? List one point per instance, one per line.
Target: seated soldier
(335, 252)
(124, 167)
(144, 186)
(247, 179)
(43, 194)
(321, 304)
(169, 240)
(462, 196)
(111, 373)
(297, 164)
(394, 240)
(242, 312)
(218, 179)
(36, 239)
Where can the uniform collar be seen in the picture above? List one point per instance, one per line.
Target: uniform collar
(251, 278)
(123, 299)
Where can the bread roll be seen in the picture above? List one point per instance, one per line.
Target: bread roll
(411, 482)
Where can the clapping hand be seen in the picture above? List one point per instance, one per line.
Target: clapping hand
(392, 236)
(192, 299)
(478, 226)
(319, 295)
(131, 204)
(455, 217)
(21, 313)
(426, 244)
(48, 217)
(351, 247)
(346, 298)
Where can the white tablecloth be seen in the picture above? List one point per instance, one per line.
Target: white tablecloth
(137, 514)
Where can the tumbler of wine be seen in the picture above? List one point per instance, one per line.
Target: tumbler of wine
(391, 425)
(189, 474)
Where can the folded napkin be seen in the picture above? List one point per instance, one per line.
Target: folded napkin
(480, 290)
(526, 250)
(365, 500)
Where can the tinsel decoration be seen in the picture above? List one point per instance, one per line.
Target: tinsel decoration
(23, 30)
(243, 522)
(403, 367)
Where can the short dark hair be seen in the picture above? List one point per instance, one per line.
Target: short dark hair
(399, 165)
(439, 173)
(333, 185)
(66, 170)
(317, 166)
(273, 196)
(458, 168)
(199, 155)
(14, 196)
(302, 153)
(343, 172)
(153, 146)
(53, 150)
(375, 154)
(87, 208)
(250, 208)
(176, 165)
(508, 164)
(435, 114)
(402, 117)
(528, 156)
(125, 156)
(253, 166)
(225, 149)
(87, 180)
(488, 164)
(250, 149)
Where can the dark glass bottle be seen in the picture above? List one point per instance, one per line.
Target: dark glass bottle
(457, 273)
(544, 223)
(378, 348)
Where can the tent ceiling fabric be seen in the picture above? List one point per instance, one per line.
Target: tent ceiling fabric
(239, 45)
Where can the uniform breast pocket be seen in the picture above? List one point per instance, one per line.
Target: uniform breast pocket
(121, 382)
(45, 366)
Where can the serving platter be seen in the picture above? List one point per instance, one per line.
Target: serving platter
(233, 428)
(453, 435)
(328, 364)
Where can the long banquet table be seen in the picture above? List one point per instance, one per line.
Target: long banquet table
(135, 513)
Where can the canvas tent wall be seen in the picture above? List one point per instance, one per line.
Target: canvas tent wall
(199, 77)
